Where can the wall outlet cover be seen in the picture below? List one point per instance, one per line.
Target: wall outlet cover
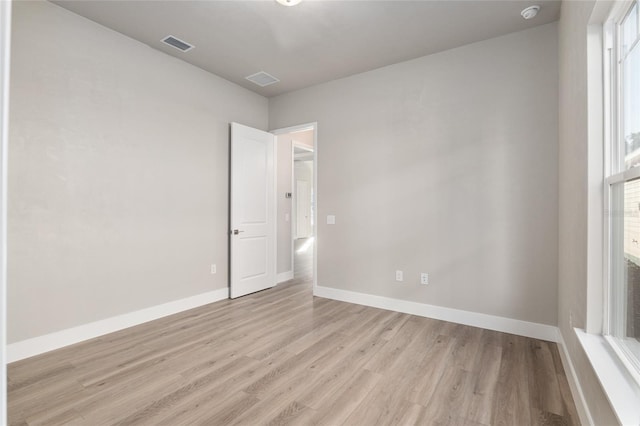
(424, 278)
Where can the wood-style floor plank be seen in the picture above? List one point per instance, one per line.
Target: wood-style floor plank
(283, 357)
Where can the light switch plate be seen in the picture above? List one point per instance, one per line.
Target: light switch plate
(331, 219)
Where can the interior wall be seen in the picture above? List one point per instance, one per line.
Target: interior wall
(118, 182)
(445, 164)
(5, 47)
(573, 160)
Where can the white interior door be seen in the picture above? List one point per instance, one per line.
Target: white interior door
(253, 211)
(303, 209)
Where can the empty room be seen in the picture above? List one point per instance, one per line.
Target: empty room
(320, 212)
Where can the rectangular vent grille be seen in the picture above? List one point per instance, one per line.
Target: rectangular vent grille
(177, 43)
(262, 79)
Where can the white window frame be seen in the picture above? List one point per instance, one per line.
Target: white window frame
(614, 173)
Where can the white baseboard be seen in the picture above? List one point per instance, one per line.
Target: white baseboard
(474, 319)
(284, 276)
(48, 342)
(574, 384)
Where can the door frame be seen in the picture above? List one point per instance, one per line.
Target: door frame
(299, 128)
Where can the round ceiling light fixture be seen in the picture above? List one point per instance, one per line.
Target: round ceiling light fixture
(289, 2)
(530, 12)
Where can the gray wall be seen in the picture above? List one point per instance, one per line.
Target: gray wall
(446, 164)
(573, 192)
(5, 35)
(118, 182)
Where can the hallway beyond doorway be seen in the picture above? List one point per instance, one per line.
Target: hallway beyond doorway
(303, 259)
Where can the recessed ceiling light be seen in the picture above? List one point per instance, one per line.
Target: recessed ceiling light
(530, 12)
(288, 2)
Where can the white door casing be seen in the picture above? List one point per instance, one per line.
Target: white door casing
(252, 211)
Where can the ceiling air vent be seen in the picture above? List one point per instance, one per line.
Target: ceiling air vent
(177, 43)
(262, 79)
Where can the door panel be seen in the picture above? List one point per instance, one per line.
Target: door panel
(253, 232)
(253, 261)
(252, 165)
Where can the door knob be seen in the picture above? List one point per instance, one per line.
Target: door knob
(236, 232)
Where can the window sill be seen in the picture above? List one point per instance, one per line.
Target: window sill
(621, 389)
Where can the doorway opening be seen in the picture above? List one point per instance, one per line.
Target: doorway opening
(303, 211)
(297, 209)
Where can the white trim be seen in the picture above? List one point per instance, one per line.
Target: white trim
(301, 145)
(595, 196)
(48, 342)
(474, 319)
(621, 390)
(619, 10)
(274, 209)
(623, 176)
(611, 310)
(315, 205)
(5, 45)
(574, 383)
(626, 355)
(294, 205)
(284, 276)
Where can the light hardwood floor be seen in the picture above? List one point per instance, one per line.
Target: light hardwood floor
(284, 357)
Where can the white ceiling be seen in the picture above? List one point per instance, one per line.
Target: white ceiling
(314, 42)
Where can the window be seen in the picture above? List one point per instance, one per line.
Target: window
(622, 185)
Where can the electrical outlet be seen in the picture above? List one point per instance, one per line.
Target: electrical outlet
(424, 278)
(213, 268)
(399, 276)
